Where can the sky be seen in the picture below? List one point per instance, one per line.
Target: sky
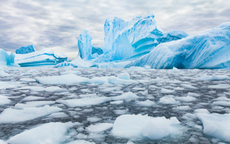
(57, 24)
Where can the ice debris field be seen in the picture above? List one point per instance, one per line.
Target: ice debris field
(112, 105)
(142, 86)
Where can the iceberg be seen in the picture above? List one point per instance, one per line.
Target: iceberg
(25, 49)
(126, 39)
(208, 50)
(39, 58)
(6, 58)
(85, 46)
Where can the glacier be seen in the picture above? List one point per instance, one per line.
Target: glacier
(6, 58)
(207, 50)
(40, 58)
(25, 49)
(126, 40)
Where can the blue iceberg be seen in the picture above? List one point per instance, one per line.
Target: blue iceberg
(97, 50)
(40, 58)
(25, 49)
(6, 58)
(85, 46)
(127, 40)
(208, 50)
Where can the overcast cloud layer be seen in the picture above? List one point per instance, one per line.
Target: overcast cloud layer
(57, 24)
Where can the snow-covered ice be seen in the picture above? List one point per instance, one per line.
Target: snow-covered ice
(99, 127)
(11, 115)
(216, 125)
(50, 133)
(139, 126)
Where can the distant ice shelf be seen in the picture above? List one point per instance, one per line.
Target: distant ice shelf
(39, 58)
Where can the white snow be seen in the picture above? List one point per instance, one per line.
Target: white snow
(50, 133)
(99, 127)
(11, 115)
(139, 126)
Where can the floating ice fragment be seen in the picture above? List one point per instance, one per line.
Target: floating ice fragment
(99, 127)
(169, 99)
(4, 100)
(216, 125)
(11, 115)
(124, 75)
(80, 142)
(50, 133)
(166, 91)
(138, 127)
(146, 103)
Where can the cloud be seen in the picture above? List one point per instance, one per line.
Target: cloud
(57, 24)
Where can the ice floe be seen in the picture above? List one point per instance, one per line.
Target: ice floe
(140, 127)
(50, 133)
(11, 115)
(216, 125)
(99, 127)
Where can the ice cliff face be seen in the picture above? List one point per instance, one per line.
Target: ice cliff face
(25, 49)
(127, 40)
(6, 58)
(210, 49)
(85, 46)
